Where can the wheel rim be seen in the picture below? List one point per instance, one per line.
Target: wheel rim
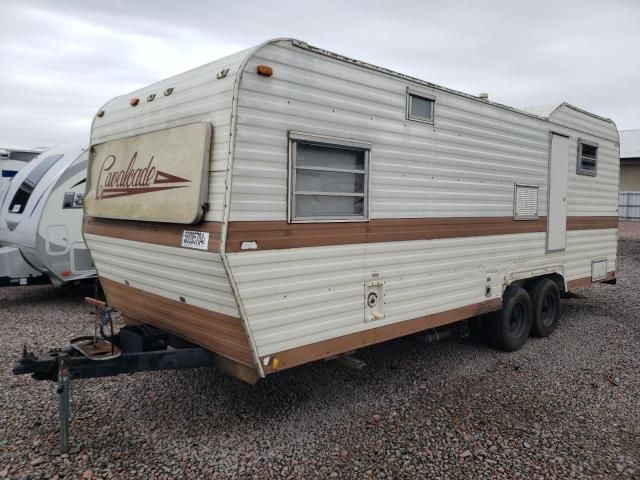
(548, 310)
(518, 320)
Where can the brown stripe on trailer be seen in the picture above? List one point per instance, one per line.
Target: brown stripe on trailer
(591, 223)
(586, 281)
(222, 334)
(346, 343)
(169, 234)
(402, 229)
(274, 235)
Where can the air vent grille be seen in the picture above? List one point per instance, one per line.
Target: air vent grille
(526, 202)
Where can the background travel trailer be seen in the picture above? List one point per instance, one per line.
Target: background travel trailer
(11, 162)
(41, 221)
(287, 204)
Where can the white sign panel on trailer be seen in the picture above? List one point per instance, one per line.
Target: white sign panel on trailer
(160, 176)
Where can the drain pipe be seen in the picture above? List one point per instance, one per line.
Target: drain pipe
(435, 335)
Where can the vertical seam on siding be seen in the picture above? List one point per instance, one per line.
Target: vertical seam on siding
(87, 188)
(227, 204)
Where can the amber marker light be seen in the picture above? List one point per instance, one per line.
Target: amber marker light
(134, 101)
(66, 273)
(265, 70)
(276, 363)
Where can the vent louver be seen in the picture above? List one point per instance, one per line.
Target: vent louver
(526, 202)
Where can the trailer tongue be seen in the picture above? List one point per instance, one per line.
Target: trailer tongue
(135, 348)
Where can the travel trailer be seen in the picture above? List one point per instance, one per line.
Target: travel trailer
(11, 161)
(41, 221)
(288, 204)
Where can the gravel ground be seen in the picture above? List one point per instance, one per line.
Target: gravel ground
(629, 230)
(567, 406)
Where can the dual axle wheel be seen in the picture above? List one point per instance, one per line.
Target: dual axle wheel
(534, 311)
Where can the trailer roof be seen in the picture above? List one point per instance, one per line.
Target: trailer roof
(33, 150)
(557, 113)
(540, 112)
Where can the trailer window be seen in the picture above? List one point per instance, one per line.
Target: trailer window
(587, 158)
(23, 156)
(420, 107)
(21, 197)
(329, 179)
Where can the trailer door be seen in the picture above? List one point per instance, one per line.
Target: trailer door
(558, 176)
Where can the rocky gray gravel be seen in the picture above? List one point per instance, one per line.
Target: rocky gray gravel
(629, 229)
(563, 407)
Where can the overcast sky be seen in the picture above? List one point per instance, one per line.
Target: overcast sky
(61, 60)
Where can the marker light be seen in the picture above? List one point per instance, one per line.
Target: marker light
(134, 101)
(265, 70)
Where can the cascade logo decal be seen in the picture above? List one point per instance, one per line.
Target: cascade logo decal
(133, 180)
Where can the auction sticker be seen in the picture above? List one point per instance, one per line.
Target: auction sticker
(195, 239)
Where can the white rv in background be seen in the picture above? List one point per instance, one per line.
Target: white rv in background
(41, 221)
(12, 160)
(287, 204)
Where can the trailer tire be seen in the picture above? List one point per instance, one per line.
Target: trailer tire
(545, 297)
(508, 329)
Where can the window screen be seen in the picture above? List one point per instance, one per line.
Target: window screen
(587, 158)
(329, 179)
(21, 197)
(419, 107)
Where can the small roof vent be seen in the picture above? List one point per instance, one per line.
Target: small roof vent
(483, 96)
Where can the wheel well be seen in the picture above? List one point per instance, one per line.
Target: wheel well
(556, 277)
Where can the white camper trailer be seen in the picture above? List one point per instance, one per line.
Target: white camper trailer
(41, 221)
(288, 204)
(12, 160)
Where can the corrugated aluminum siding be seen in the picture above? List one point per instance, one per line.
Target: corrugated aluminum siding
(300, 296)
(593, 195)
(197, 276)
(463, 165)
(575, 119)
(197, 96)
